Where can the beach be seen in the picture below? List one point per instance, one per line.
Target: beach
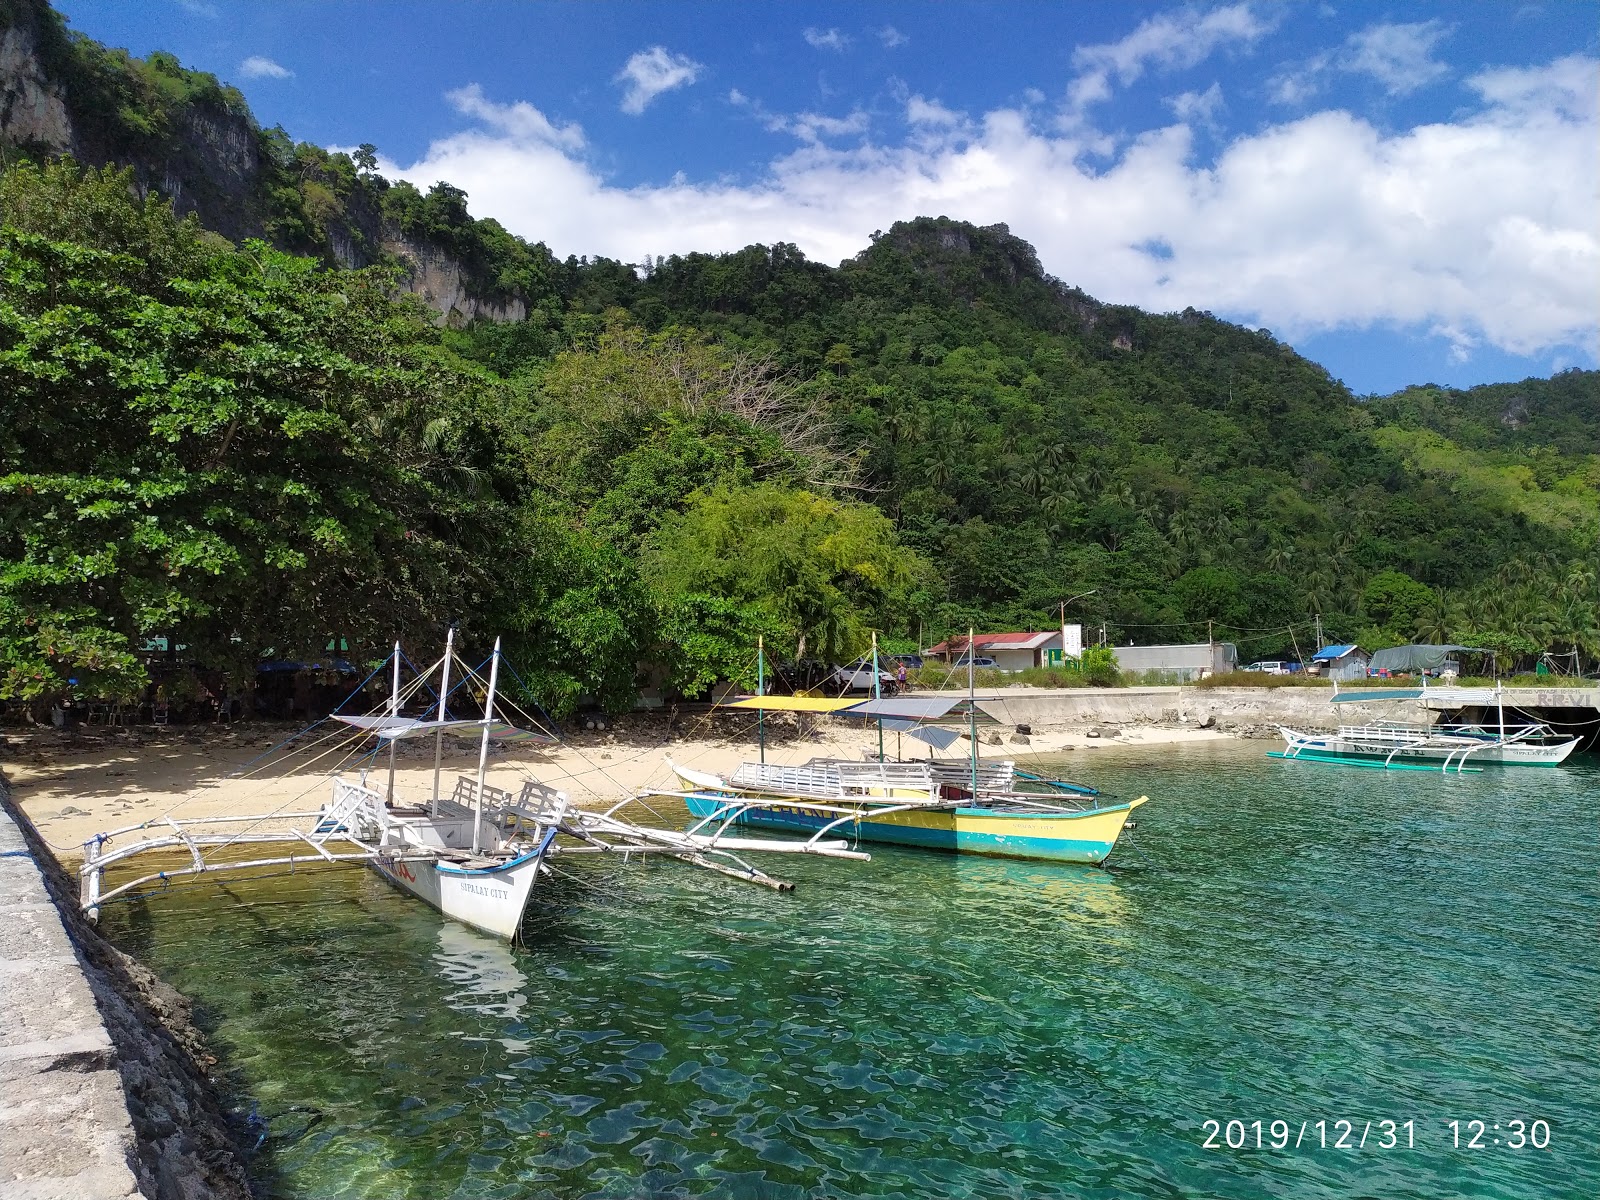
(75, 785)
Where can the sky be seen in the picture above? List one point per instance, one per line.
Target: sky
(1405, 193)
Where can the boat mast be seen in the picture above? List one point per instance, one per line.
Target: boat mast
(972, 715)
(394, 711)
(483, 748)
(438, 736)
(761, 690)
(877, 691)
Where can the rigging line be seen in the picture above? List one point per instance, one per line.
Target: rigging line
(362, 684)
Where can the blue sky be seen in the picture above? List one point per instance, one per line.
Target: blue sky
(1404, 192)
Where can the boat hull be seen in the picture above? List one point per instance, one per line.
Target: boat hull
(492, 899)
(1086, 837)
(1344, 750)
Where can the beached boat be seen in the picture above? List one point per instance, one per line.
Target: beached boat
(909, 804)
(475, 855)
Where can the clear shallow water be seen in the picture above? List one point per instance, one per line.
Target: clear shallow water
(1284, 941)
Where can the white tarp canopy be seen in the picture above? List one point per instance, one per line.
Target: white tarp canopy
(395, 728)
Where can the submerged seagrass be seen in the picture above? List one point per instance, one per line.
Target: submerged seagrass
(1276, 943)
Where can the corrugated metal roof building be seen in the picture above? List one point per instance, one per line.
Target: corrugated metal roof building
(1342, 662)
(1179, 664)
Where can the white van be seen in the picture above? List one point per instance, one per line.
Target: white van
(1271, 668)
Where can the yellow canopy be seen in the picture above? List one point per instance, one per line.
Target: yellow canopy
(793, 703)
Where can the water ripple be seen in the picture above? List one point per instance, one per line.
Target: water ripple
(1291, 942)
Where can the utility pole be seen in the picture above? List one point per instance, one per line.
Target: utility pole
(1318, 620)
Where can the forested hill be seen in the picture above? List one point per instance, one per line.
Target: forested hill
(251, 445)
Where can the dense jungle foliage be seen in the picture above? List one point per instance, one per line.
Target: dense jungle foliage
(252, 451)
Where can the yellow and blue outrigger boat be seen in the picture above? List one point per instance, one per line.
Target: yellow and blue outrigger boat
(966, 807)
(925, 804)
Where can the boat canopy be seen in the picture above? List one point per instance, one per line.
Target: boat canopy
(821, 704)
(396, 728)
(909, 708)
(939, 739)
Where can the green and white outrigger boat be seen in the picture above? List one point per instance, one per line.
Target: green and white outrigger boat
(1447, 746)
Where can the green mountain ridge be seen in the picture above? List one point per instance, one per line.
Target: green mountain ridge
(636, 471)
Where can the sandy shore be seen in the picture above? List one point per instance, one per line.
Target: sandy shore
(75, 786)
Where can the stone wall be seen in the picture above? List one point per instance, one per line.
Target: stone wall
(103, 1084)
(1246, 711)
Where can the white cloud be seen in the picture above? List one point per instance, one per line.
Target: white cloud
(920, 111)
(826, 39)
(199, 8)
(1482, 229)
(1198, 107)
(521, 121)
(257, 67)
(892, 37)
(650, 72)
(1398, 56)
(1169, 41)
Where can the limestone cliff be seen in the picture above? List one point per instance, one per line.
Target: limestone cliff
(192, 139)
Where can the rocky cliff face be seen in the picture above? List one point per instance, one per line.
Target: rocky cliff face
(213, 161)
(33, 111)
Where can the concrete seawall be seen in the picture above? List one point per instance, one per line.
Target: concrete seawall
(99, 1098)
(1240, 710)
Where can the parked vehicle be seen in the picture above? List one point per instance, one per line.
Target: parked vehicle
(912, 662)
(1274, 667)
(981, 661)
(857, 677)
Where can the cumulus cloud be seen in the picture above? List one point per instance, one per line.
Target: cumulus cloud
(258, 67)
(1398, 56)
(1482, 229)
(826, 39)
(1198, 107)
(650, 72)
(892, 37)
(1169, 41)
(920, 111)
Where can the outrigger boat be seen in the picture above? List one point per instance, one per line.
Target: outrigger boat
(1447, 746)
(475, 855)
(963, 806)
(910, 804)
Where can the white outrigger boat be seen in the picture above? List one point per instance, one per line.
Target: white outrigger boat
(475, 855)
(1446, 746)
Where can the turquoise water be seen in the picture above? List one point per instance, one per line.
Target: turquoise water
(1275, 941)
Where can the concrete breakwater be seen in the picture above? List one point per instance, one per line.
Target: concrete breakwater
(1245, 711)
(103, 1084)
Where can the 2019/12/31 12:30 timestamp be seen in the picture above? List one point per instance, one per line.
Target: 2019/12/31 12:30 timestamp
(1513, 1135)
(1384, 1134)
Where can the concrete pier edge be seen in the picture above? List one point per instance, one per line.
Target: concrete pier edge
(99, 1098)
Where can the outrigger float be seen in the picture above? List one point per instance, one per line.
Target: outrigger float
(475, 855)
(965, 806)
(1450, 746)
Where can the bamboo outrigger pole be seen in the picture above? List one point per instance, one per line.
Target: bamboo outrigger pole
(483, 747)
(438, 737)
(394, 711)
(877, 690)
(972, 713)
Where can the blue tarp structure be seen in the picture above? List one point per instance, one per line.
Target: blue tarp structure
(1330, 653)
(343, 666)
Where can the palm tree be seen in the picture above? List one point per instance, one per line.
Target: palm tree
(1439, 618)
